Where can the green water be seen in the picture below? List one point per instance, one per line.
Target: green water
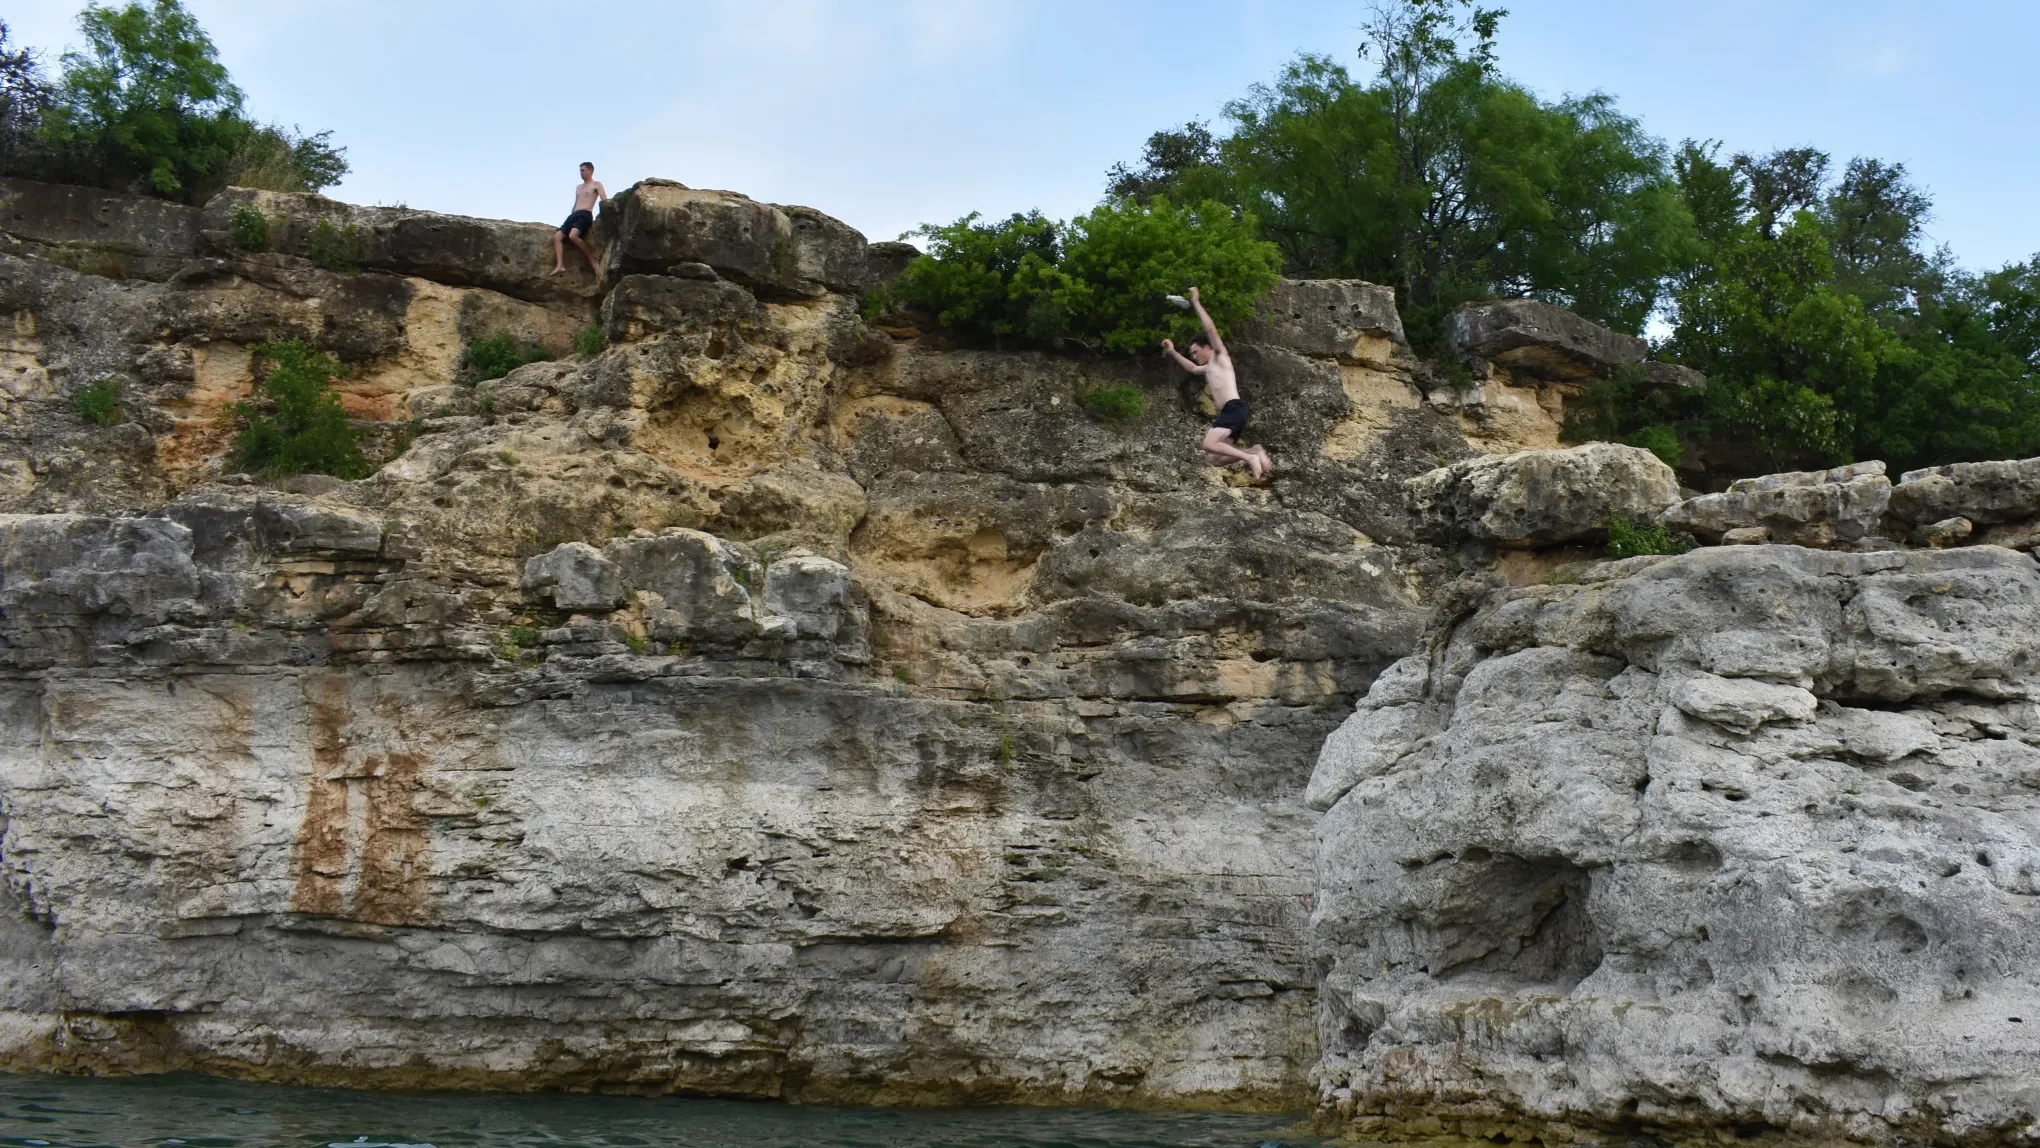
(199, 1112)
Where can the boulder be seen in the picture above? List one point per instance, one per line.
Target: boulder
(811, 591)
(1540, 340)
(1540, 497)
(1324, 317)
(515, 259)
(1821, 508)
(1986, 493)
(1737, 839)
(575, 576)
(103, 232)
(794, 252)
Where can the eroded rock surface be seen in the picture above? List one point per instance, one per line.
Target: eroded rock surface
(765, 705)
(1737, 839)
(1541, 497)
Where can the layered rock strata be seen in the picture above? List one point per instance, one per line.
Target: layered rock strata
(1741, 839)
(766, 705)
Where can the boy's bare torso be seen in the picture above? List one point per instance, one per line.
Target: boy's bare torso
(1220, 381)
(586, 195)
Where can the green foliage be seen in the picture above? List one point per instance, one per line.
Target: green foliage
(590, 340)
(1661, 441)
(1440, 176)
(523, 636)
(295, 424)
(1121, 401)
(98, 402)
(335, 248)
(493, 356)
(249, 228)
(1628, 538)
(1098, 281)
(147, 106)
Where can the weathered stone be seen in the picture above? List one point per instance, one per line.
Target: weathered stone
(1541, 496)
(1822, 508)
(1947, 532)
(1687, 897)
(703, 583)
(1327, 317)
(1983, 492)
(575, 576)
(1540, 340)
(1744, 535)
(102, 232)
(515, 259)
(812, 591)
(783, 253)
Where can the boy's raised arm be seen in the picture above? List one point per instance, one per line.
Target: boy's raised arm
(1210, 328)
(1169, 349)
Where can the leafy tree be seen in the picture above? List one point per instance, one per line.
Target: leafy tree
(295, 424)
(147, 106)
(1439, 176)
(1098, 281)
(25, 97)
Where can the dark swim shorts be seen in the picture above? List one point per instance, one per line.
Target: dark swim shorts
(581, 221)
(1233, 417)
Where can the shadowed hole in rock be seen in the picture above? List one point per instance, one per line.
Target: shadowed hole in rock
(1902, 933)
(1508, 919)
(1694, 856)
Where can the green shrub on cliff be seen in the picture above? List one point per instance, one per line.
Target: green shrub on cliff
(98, 402)
(335, 248)
(1123, 402)
(493, 356)
(1628, 538)
(147, 107)
(294, 424)
(1097, 282)
(248, 228)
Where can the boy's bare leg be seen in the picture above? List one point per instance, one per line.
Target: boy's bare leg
(578, 242)
(559, 254)
(1218, 441)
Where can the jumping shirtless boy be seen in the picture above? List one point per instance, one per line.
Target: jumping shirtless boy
(1208, 357)
(578, 225)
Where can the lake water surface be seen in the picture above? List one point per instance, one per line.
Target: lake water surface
(200, 1112)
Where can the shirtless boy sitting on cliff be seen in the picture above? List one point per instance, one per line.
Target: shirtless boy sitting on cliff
(582, 221)
(1208, 357)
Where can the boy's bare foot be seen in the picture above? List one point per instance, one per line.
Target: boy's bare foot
(559, 271)
(1267, 464)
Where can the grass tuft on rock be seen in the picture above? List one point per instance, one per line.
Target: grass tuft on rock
(294, 423)
(335, 248)
(493, 356)
(98, 402)
(1122, 402)
(1628, 538)
(248, 228)
(590, 340)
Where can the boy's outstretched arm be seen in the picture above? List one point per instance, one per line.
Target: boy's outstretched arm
(1169, 349)
(1210, 328)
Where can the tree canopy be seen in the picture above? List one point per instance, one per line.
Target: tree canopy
(147, 106)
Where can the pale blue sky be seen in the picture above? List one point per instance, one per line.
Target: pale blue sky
(887, 113)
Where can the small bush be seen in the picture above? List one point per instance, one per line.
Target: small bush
(1098, 281)
(523, 636)
(249, 229)
(294, 424)
(1121, 401)
(590, 340)
(335, 248)
(1628, 538)
(493, 356)
(98, 402)
(1661, 441)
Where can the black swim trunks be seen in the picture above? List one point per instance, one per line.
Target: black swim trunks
(1233, 417)
(582, 221)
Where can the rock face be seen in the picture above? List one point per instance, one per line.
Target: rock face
(1823, 508)
(1329, 317)
(1742, 838)
(1541, 497)
(763, 706)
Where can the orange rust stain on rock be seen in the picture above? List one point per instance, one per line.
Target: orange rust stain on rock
(320, 855)
(396, 847)
(392, 857)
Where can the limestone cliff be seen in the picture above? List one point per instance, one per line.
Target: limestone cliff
(770, 704)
